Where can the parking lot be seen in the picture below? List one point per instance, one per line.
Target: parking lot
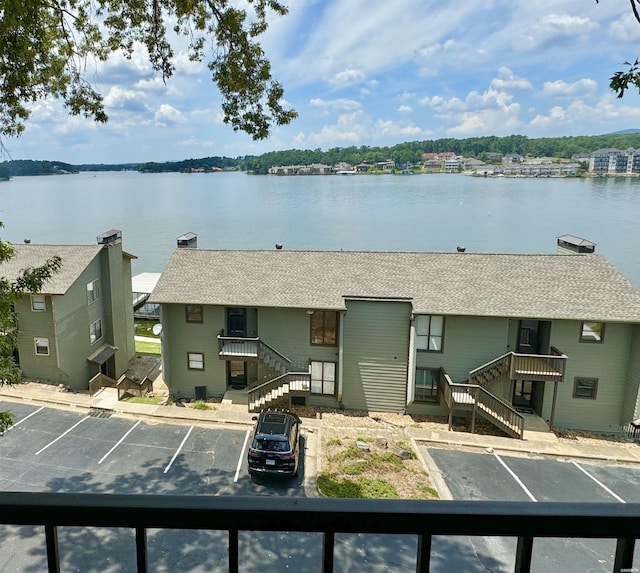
(489, 476)
(67, 451)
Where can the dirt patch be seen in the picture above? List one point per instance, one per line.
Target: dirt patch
(579, 437)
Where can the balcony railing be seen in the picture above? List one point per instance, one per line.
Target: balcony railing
(423, 519)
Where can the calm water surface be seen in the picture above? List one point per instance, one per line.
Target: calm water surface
(396, 213)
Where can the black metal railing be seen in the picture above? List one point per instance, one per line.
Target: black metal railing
(424, 519)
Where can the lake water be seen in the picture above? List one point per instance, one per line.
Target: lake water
(386, 212)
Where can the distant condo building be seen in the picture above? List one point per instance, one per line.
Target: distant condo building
(614, 161)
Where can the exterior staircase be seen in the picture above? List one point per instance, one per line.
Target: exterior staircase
(475, 395)
(282, 384)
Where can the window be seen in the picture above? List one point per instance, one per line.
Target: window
(195, 361)
(95, 331)
(324, 327)
(592, 332)
(93, 291)
(585, 388)
(42, 346)
(323, 377)
(426, 385)
(193, 312)
(38, 303)
(429, 333)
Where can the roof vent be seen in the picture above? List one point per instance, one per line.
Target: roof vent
(110, 237)
(461, 249)
(571, 245)
(278, 246)
(188, 241)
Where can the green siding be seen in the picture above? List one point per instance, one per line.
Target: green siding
(180, 337)
(469, 342)
(608, 362)
(631, 406)
(376, 345)
(33, 325)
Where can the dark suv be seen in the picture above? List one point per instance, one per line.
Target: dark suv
(274, 444)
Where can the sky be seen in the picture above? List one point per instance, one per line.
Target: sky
(371, 73)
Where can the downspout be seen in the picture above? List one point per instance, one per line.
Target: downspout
(343, 315)
(411, 374)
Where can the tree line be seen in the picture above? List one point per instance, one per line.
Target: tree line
(402, 153)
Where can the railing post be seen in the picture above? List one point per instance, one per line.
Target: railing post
(141, 550)
(524, 552)
(233, 551)
(473, 413)
(53, 555)
(424, 553)
(624, 555)
(328, 541)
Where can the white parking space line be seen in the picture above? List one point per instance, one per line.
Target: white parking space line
(244, 447)
(595, 479)
(61, 436)
(122, 439)
(173, 459)
(515, 477)
(25, 418)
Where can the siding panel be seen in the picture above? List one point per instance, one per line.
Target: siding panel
(376, 344)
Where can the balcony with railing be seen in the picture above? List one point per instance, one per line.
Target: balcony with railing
(316, 524)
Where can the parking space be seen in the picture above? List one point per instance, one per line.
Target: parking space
(492, 477)
(65, 450)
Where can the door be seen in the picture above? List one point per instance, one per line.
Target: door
(527, 337)
(237, 374)
(523, 391)
(237, 322)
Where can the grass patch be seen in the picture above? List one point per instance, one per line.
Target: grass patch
(334, 442)
(201, 405)
(364, 488)
(154, 400)
(145, 327)
(352, 452)
(356, 468)
(429, 492)
(148, 348)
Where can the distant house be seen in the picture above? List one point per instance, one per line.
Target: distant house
(556, 335)
(512, 158)
(81, 324)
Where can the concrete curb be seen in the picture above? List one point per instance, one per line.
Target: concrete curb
(533, 452)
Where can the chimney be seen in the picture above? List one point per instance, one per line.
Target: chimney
(188, 241)
(110, 237)
(571, 245)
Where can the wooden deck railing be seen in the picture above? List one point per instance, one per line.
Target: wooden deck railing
(538, 367)
(99, 381)
(252, 349)
(491, 371)
(295, 383)
(479, 400)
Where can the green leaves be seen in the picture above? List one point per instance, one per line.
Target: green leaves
(45, 46)
(620, 81)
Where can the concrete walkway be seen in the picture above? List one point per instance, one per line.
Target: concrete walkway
(233, 410)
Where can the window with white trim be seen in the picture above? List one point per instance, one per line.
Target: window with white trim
(41, 346)
(429, 332)
(93, 291)
(323, 377)
(38, 303)
(95, 331)
(195, 360)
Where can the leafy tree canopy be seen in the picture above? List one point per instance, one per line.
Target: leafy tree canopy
(30, 280)
(45, 46)
(621, 81)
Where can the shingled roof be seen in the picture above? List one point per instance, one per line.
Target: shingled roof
(582, 287)
(75, 259)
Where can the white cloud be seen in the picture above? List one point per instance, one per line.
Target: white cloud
(405, 109)
(625, 29)
(347, 77)
(123, 98)
(554, 28)
(508, 80)
(195, 142)
(560, 88)
(336, 104)
(167, 114)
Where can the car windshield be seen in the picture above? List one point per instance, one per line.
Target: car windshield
(270, 444)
